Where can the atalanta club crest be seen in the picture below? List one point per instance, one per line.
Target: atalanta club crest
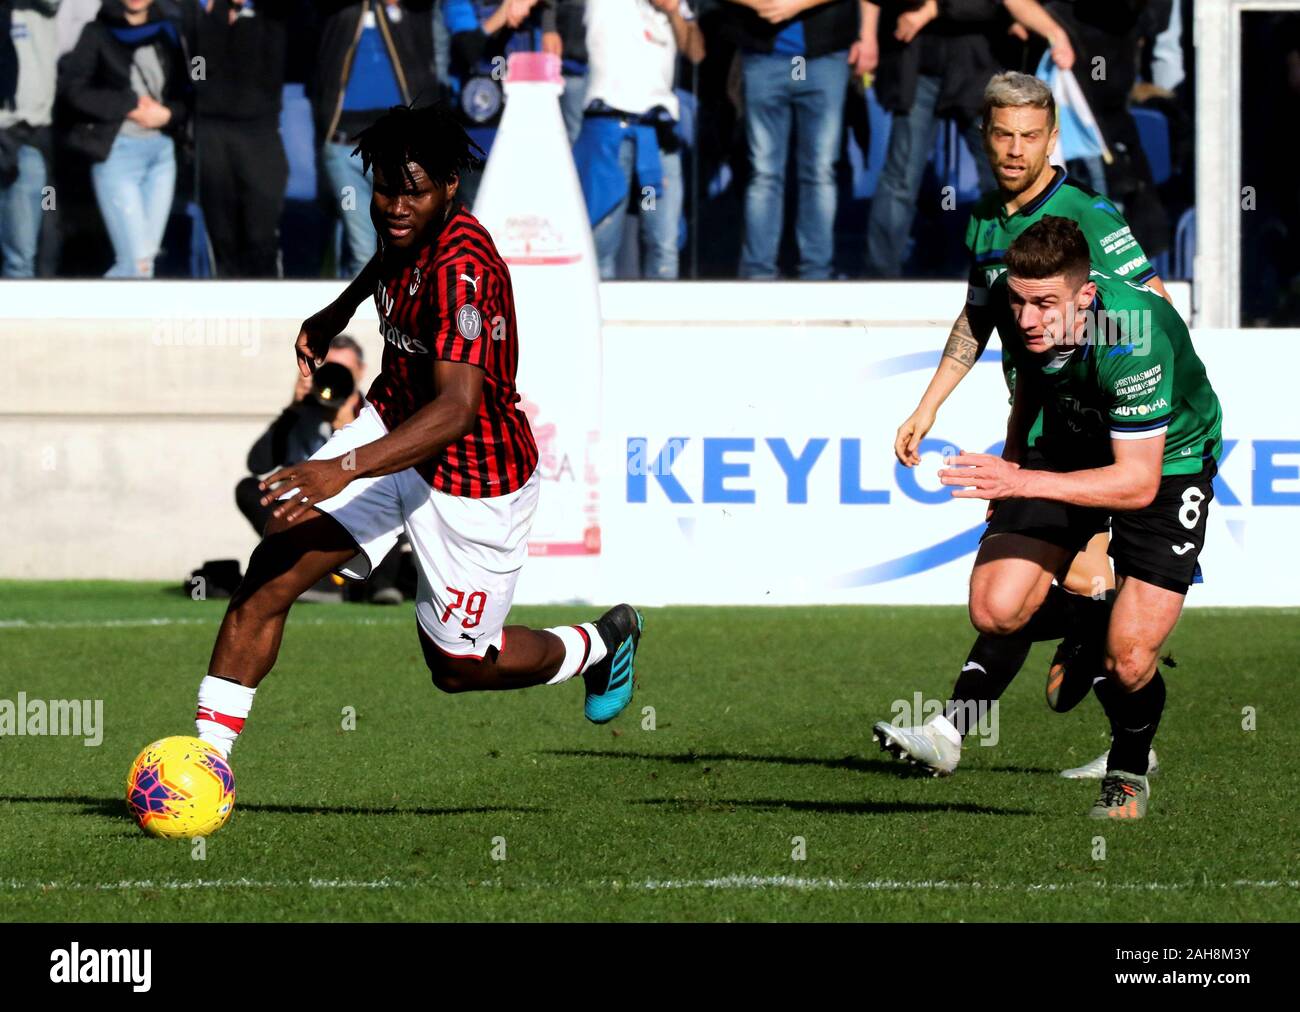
(469, 323)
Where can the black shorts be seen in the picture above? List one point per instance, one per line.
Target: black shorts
(1058, 523)
(1161, 543)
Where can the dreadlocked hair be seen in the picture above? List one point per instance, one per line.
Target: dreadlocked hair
(430, 136)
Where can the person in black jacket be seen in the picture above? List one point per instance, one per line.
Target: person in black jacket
(373, 54)
(240, 47)
(126, 84)
(1109, 32)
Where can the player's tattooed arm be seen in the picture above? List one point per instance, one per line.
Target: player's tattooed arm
(962, 347)
(967, 339)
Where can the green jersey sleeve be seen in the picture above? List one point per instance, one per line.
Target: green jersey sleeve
(977, 288)
(1138, 388)
(1110, 240)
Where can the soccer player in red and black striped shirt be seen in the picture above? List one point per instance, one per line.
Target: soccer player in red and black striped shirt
(441, 450)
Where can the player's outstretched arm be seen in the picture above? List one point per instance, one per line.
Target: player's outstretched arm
(966, 342)
(448, 417)
(1025, 405)
(319, 329)
(1158, 286)
(1130, 483)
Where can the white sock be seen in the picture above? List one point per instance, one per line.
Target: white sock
(583, 647)
(223, 708)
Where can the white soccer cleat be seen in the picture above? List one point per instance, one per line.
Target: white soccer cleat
(1096, 769)
(934, 747)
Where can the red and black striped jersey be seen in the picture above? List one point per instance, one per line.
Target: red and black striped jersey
(453, 301)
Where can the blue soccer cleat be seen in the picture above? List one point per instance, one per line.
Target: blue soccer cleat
(610, 682)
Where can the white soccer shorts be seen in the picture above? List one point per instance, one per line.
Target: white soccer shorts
(468, 552)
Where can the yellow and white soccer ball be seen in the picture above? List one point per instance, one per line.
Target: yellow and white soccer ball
(180, 787)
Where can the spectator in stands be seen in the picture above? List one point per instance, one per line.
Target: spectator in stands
(795, 64)
(127, 84)
(1164, 22)
(373, 54)
(568, 41)
(242, 165)
(1110, 31)
(73, 16)
(630, 128)
(934, 62)
(28, 54)
(483, 35)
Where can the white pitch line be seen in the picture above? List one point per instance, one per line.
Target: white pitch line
(729, 882)
(891, 885)
(145, 623)
(185, 884)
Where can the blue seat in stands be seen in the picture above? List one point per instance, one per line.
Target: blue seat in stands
(307, 228)
(299, 136)
(954, 164)
(688, 115)
(1185, 246)
(1153, 131)
(865, 166)
(1161, 262)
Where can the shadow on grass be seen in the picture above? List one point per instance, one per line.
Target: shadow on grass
(833, 807)
(1035, 770)
(117, 806)
(859, 764)
(848, 762)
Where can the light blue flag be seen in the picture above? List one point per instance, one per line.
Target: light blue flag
(1080, 136)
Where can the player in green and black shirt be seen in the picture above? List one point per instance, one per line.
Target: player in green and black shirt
(1019, 135)
(1130, 429)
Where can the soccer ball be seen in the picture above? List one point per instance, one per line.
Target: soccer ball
(180, 787)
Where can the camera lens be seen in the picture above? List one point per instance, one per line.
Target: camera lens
(332, 384)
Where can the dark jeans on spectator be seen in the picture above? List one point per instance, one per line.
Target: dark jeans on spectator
(243, 172)
(893, 208)
(779, 99)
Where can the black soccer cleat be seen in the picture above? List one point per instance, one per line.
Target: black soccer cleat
(611, 681)
(1069, 679)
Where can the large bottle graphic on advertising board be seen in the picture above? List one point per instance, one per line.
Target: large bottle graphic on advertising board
(531, 202)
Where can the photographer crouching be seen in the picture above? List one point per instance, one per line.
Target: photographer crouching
(326, 401)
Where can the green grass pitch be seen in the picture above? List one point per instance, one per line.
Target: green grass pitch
(761, 725)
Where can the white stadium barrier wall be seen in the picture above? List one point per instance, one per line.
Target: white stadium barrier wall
(745, 457)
